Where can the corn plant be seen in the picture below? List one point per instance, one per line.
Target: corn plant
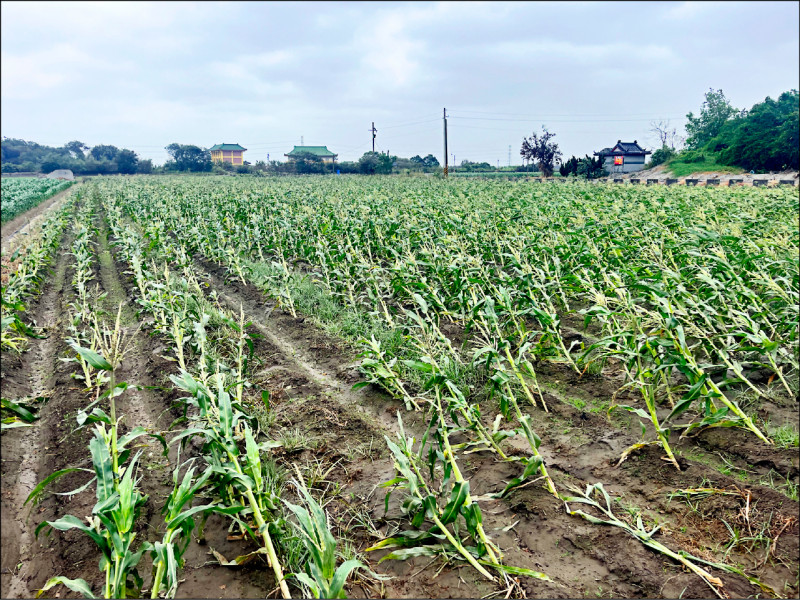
(237, 475)
(322, 577)
(179, 515)
(113, 517)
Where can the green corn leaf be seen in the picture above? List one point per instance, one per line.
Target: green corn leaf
(70, 522)
(336, 588)
(457, 498)
(132, 435)
(516, 570)
(13, 424)
(406, 539)
(37, 491)
(101, 460)
(91, 357)
(76, 585)
(98, 415)
(406, 553)
(22, 412)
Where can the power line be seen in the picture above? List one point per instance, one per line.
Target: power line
(540, 120)
(561, 114)
(411, 123)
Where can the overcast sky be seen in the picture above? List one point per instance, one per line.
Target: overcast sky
(141, 75)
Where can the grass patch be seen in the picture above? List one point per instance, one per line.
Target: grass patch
(678, 168)
(785, 436)
(781, 484)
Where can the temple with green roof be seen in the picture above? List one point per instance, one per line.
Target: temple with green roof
(321, 151)
(229, 153)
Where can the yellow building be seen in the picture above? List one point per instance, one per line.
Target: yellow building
(229, 153)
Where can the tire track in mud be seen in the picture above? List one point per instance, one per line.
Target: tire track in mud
(306, 349)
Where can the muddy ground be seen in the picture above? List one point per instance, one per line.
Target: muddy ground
(338, 436)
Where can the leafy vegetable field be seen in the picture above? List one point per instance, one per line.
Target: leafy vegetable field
(23, 193)
(389, 387)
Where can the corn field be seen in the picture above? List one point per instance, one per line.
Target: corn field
(397, 387)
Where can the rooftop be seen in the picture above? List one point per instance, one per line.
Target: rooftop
(623, 148)
(227, 147)
(316, 150)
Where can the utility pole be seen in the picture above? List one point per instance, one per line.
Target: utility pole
(444, 116)
(509, 155)
(301, 141)
(373, 130)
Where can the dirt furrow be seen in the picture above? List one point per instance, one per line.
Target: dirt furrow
(310, 352)
(36, 373)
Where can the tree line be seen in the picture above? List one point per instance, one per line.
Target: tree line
(764, 138)
(18, 156)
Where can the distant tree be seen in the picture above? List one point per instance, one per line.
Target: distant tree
(347, 167)
(662, 155)
(541, 151)
(50, 165)
(102, 151)
(187, 157)
(8, 152)
(767, 138)
(417, 159)
(375, 163)
(145, 166)
(127, 162)
(430, 161)
(590, 168)
(570, 167)
(307, 163)
(76, 148)
(715, 112)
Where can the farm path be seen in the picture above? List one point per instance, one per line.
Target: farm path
(22, 223)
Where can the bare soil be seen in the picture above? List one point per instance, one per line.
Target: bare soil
(310, 376)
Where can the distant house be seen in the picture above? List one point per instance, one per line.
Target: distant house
(624, 157)
(322, 151)
(229, 153)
